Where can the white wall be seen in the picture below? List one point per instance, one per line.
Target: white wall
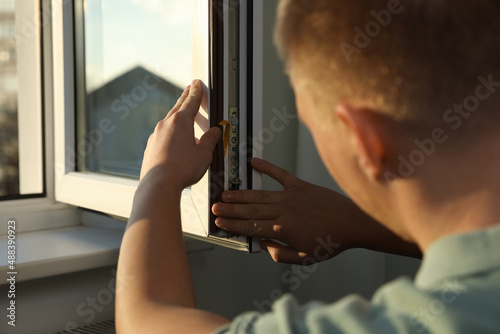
(278, 98)
(48, 304)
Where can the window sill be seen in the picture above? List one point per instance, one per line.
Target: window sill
(65, 250)
(60, 251)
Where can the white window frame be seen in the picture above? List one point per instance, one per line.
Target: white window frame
(42, 212)
(107, 194)
(110, 194)
(29, 69)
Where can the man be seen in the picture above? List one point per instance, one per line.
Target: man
(402, 101)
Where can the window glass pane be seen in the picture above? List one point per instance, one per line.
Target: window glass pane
(134, 62)
(9, 152)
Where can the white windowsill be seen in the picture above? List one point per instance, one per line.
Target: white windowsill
(60, 251)
(65, 250)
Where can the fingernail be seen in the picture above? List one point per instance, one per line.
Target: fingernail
(219, 208)
(220, 222)
(227, 196)
(195, 81)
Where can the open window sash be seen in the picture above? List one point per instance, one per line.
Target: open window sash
(220, 60)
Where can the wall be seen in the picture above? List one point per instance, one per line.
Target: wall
(48, 304)
(278, 99)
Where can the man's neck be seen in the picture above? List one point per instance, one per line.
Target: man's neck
(431, 218)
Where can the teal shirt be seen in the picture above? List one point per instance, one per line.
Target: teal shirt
(457, 290)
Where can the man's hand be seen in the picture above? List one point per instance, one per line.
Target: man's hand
(299, 216)
(173, 152)
(313, 222)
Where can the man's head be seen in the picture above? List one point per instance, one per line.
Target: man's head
(394, 91)
(408, 59)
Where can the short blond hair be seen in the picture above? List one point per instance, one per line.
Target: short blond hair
(409, 59)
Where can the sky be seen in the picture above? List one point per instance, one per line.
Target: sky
(122, 34)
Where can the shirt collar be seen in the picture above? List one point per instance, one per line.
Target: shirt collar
(460, 255)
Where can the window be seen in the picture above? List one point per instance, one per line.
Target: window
(26, 120)
(21, 157)
(118, 68)
(135, 59)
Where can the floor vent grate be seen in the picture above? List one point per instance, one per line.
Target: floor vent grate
(105, 327)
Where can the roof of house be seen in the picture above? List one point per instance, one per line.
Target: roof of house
(128, 81)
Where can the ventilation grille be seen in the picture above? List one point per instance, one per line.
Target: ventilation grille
(105, 327)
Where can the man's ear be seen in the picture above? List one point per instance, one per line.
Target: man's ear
(364, 129)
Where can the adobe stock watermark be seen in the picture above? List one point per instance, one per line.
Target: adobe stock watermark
(29, 28)
(453, 118)
(122, 107)
(298, 274)
(372, 29)
(436, 307)
(92, 305)
(278, 123)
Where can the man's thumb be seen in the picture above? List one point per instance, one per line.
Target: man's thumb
(210, 139)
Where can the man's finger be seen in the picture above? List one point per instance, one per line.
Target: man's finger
(283, 254)
(210, 139)
(279, 174)
(179, 102)
(193, 100)
(252, 196)
(245, 211)
(250, 228)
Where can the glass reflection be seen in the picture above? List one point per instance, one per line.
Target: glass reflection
(137, 59)
(9, 148)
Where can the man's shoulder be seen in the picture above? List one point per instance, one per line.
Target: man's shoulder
(455, 306)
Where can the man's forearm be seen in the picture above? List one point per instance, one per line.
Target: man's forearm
(153, 253)
(153, 246)
(374, 236)
(159, 296)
